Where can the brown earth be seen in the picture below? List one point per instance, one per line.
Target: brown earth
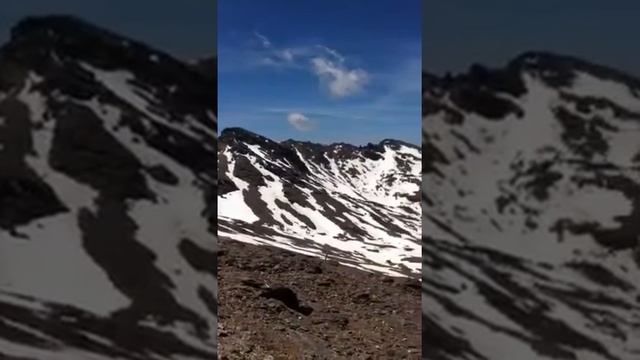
(275, 304)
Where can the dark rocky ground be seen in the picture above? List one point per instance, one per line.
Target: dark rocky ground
(274, 304)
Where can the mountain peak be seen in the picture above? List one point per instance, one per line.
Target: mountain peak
(60, 22)
(556, 70)
(243, 135)
(36, 40)
(539, 56)
(69, 33)
(61, 47)
(395, 142)
(568, 65)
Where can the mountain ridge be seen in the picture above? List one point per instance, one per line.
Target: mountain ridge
(308, 194)
(229, 132)
(503, 78)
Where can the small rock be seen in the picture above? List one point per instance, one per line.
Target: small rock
(362, 298)
(251, 283)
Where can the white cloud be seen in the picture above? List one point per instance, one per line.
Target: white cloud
(330, 66)
(300, 122)
(263, 39)
(340, 81)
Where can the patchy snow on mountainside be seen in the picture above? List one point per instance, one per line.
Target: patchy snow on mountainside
(356, 205)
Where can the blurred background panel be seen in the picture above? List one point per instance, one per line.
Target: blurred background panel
(107, 180)
(531, 115)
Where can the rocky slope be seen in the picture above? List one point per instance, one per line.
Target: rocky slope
(531, 212)
(107, 183)
(276, 304)
(356, 205)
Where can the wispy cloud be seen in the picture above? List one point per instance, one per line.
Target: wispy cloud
(300, 122)
(339, 80)
(264, 41)
(329, 66)
(286, 55)
(332, 52)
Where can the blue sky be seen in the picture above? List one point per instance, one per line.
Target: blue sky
(186, 29)
(324, 71)
(460, 32)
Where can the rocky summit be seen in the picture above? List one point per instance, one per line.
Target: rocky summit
(107, 197)
(531, 212)
(358, 205)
